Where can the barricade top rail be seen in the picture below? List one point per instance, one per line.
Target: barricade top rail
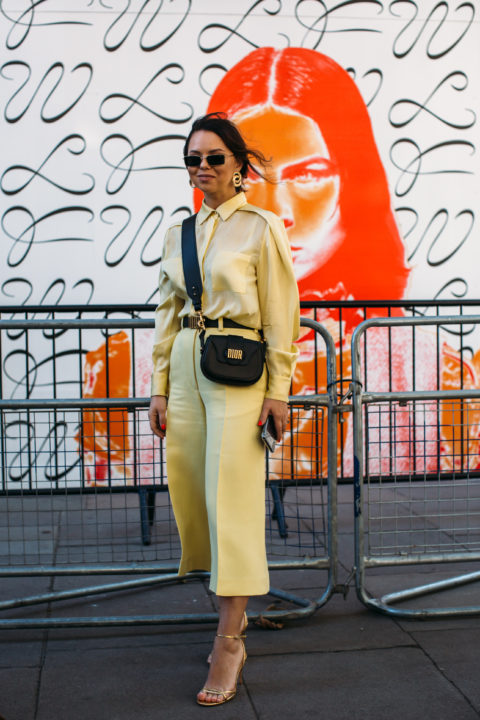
(304, 304)
(123, 403)
(408, 395)
(95, 323)
(430, 320)
(73, 324)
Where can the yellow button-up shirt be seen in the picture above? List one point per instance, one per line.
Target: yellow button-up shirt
(247, 273)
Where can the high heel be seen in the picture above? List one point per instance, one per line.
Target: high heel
(244, 629)
(227, 695)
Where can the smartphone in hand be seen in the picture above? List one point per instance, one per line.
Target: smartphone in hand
(269, 434)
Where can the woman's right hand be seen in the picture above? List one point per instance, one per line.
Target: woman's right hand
(157, 414)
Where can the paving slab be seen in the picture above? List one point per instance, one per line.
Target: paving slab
(21, 648)
(456, 652)
(379, 684)
(18, 693)
(298, 579)
(185, 597)
(439, 624)
(16, 588)
(342, 625)
(345, 509)
(189, 597)
(146, 683)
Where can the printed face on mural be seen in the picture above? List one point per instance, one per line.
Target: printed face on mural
(305, 185)
(305, 114)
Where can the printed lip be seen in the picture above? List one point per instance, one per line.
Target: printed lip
(205, 177)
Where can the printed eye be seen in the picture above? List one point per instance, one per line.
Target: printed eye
(309, 177)
(309, 170)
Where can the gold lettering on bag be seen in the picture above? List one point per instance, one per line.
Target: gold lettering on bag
(234, 354)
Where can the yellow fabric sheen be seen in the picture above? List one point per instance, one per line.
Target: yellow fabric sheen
(216, 473)
(247, 269)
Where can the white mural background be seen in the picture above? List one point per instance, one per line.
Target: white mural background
(97, 98)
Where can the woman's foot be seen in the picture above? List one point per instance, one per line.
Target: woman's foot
(228, 658)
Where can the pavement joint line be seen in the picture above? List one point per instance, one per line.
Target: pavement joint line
(252, 654)
(43, 656)
(441, 671)
(250, 698)
(110, 648)
(46, 634)
(288, 653)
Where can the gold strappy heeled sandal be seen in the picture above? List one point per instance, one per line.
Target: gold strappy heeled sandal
(227, 695)
(244, 629)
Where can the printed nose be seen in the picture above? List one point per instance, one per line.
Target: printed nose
(281, 205)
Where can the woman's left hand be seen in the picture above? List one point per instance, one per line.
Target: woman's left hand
(279, 410)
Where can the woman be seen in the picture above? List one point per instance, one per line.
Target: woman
(215, 459)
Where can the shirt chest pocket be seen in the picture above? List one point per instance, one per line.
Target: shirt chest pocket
(230, 271)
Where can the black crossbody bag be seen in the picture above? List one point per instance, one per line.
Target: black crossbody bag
(227, 359)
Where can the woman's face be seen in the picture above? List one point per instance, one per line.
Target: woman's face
(306, 192)
(215, 182)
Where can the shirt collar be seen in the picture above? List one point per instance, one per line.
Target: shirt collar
(224, 210)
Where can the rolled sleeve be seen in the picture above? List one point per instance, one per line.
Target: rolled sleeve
(279, 307)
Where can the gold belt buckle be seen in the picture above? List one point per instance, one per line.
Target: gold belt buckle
(193, 322)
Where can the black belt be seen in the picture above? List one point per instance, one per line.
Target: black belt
(191, 321)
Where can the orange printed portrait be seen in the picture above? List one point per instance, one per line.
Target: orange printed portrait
(307, 116)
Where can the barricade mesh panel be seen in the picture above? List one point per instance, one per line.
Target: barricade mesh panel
(422, 484)
(71, 481)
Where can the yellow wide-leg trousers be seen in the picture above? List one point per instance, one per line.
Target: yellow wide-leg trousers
(216, 472)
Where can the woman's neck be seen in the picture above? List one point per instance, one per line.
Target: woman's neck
(214, 201)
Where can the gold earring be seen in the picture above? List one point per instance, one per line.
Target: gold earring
(237, 179)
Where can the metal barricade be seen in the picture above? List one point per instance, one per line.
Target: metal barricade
(84, 488)
(416, 463)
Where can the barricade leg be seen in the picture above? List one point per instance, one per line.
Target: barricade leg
(278, 513)
(146, 498)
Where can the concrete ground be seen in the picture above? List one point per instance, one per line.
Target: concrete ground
(343, 662)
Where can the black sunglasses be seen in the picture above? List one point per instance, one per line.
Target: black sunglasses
(212, 160)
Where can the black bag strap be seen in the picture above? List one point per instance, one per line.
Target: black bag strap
(191, 268)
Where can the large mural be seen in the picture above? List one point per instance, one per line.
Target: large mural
(367, 110)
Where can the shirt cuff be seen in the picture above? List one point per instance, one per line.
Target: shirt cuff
(159, 384)
(278, 388)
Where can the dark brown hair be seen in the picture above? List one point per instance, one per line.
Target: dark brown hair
(218, 123)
